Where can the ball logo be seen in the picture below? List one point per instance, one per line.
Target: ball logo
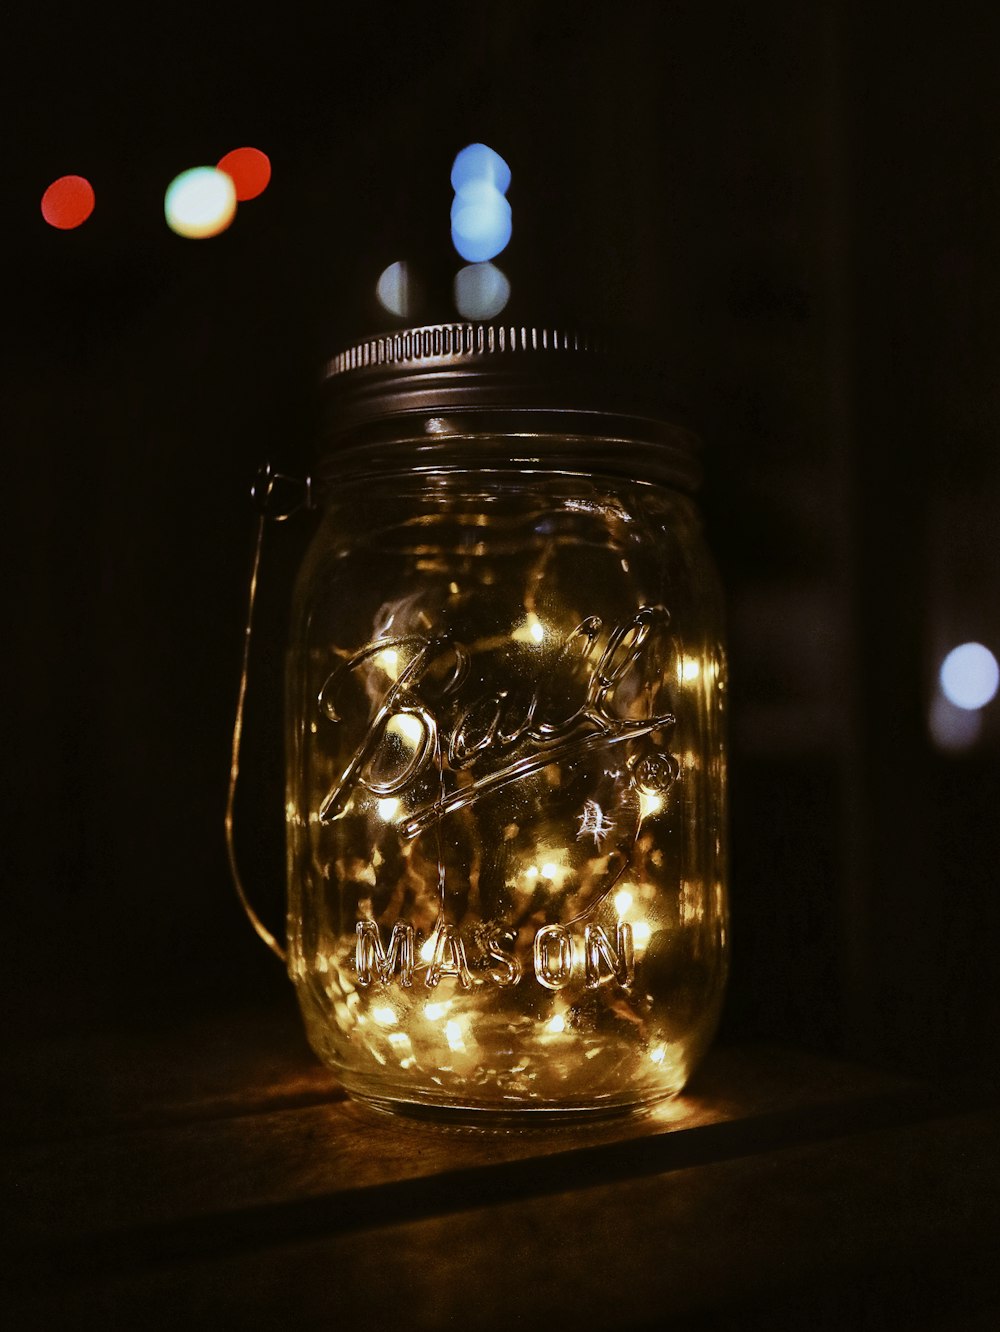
(422, 721)
(554, 743)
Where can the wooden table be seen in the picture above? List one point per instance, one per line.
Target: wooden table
(214, 1177)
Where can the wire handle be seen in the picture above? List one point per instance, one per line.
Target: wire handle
(277, 497)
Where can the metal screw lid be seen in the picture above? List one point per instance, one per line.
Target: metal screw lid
(593, 386)
(454, 344)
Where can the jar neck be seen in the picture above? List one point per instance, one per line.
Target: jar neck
(515, 440)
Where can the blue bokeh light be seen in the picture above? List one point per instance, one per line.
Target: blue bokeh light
(970, 676)
(481, 222)
(477, 162)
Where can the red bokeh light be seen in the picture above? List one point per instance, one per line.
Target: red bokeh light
(250, 170)
(68, 202)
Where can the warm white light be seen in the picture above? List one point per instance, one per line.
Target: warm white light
(690, 670)
(970, 676)
(405, 724)
(658, 1054)
(530, 630)
(649, 804)
(387, 808)
(641, 933)
(623, 901)
(398, 1038)
(480, 290)
(385, 1017)
(433, 1012)
(557, 1024)
(388, 659)
(427, 953)
(453, 1035)
(200, 203)
(549, 871)
(531, 872)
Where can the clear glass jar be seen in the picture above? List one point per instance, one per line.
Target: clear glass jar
(506, 768)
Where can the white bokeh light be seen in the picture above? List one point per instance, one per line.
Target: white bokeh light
(393, 289)
(970, 676)
(952, 728)
(481, 291)
(200, 203)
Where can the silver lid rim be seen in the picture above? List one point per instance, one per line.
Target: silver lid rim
(455, 344)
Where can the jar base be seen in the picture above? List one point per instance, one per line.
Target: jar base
(521, 1117)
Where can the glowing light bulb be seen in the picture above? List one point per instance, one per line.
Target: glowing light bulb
(200, 203)
(556, 1024)
(249, 169)
(649, 804)
(690, 670)
(530, 630)
(388, 807)
(481, 291)
(623, 901)
(68, 202)
(970, 676)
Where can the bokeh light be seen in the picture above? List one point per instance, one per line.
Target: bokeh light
(68, 202)
(249, 169)
(477, 162)
(481, 291)
(480, 222)
(953, 728)
(970, 676)
(200, 203)
(480, 213)
(394, 289)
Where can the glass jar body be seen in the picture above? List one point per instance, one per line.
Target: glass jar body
(506, 789)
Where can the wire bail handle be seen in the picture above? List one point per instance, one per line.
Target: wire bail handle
(277, 497)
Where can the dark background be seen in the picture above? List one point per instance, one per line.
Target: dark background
(805, 199)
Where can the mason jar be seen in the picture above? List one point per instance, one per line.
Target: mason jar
(505, 752)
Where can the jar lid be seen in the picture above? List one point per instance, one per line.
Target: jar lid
(593, 386)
